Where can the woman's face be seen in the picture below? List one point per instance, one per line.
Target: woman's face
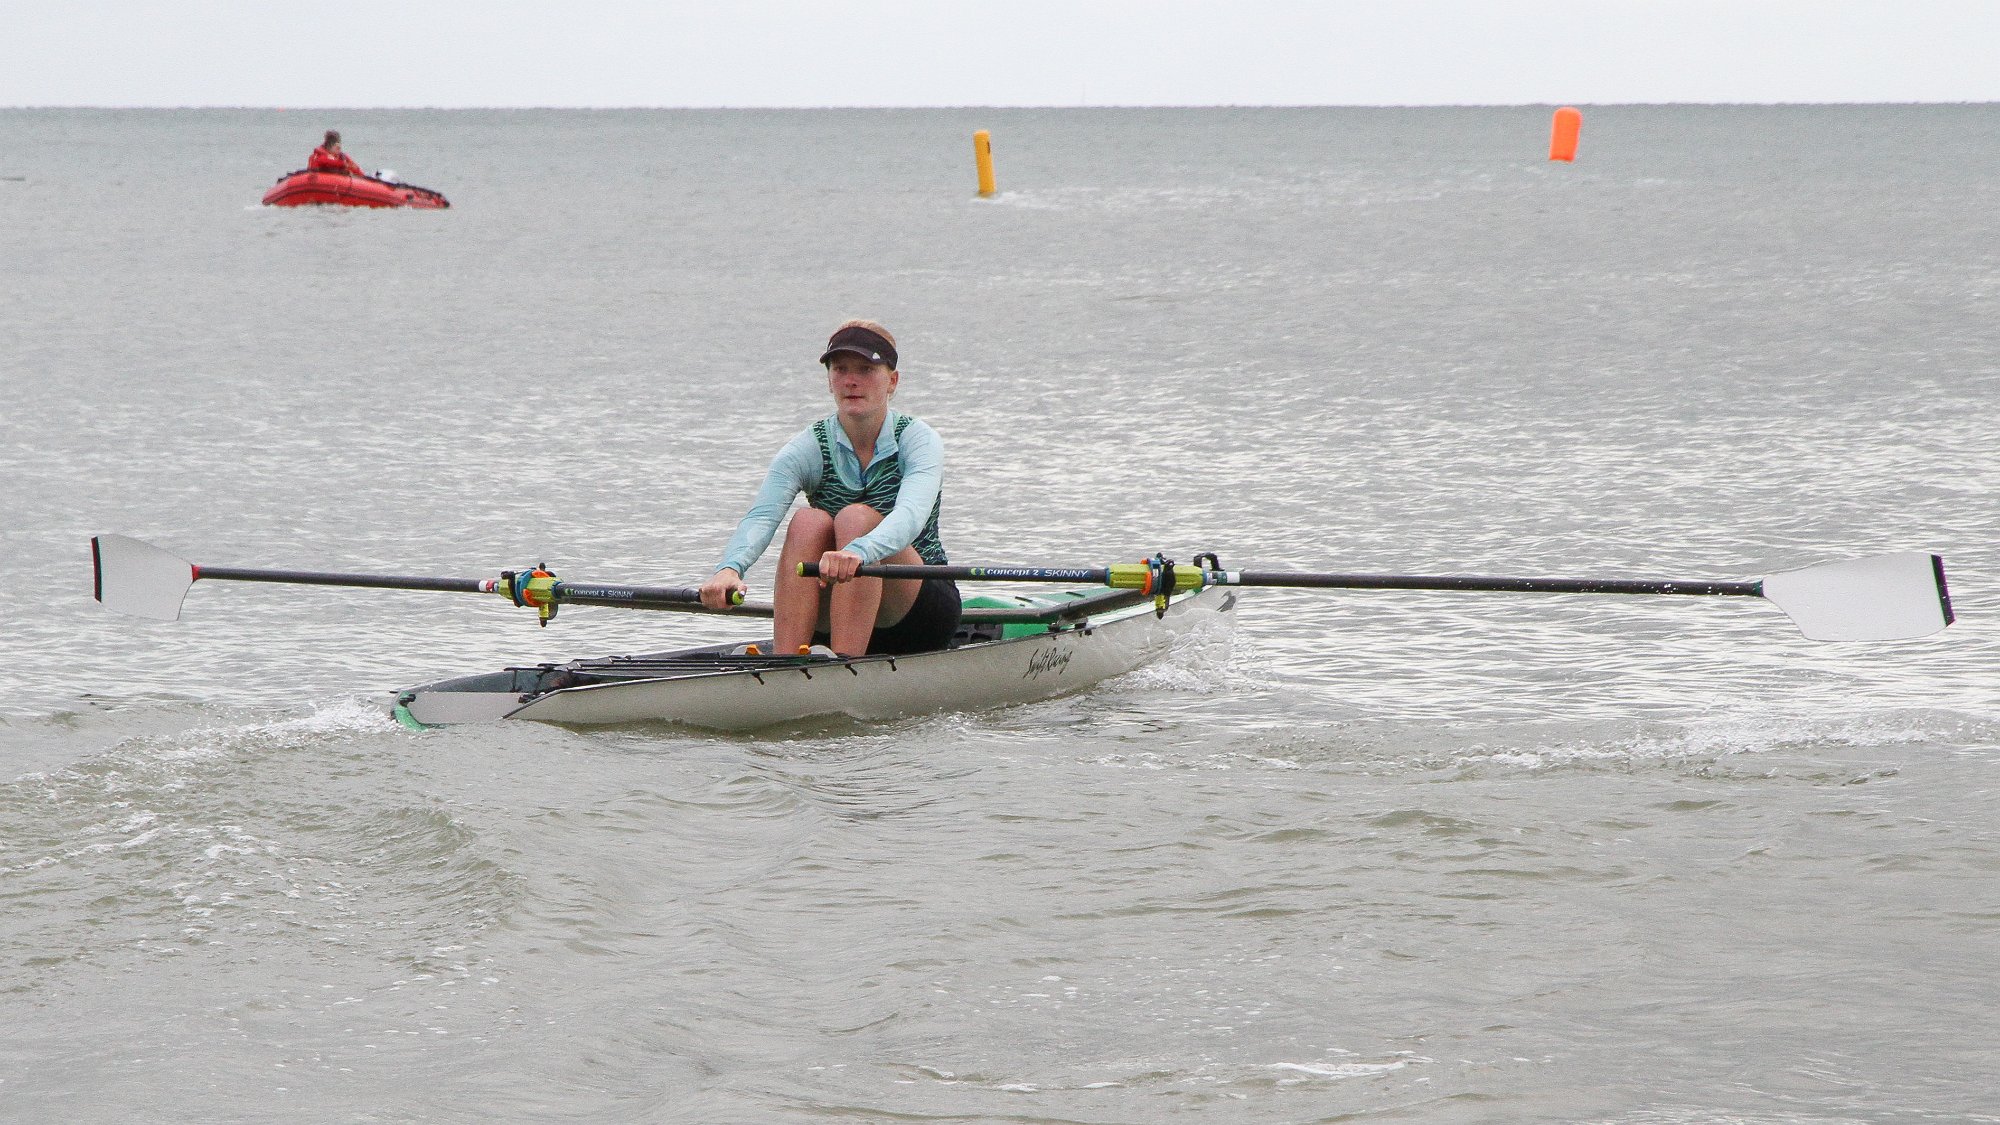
(859, 387)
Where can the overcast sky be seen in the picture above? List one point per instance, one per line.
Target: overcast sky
(993, 52)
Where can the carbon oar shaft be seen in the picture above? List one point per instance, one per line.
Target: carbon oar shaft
(565, 593)
(1191, 577)
(1479, 582)
(325, 578)
(1099, 574)
(135, 577)
(1895, 596)
(650, 597)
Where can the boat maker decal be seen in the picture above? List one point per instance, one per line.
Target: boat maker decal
(1048, 661)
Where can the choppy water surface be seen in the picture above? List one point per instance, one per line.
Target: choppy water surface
(1364, 856)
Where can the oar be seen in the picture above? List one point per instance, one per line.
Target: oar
(140, 579)
(1879, 598)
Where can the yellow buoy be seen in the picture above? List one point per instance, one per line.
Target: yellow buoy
(1563, 132)
(982, 151)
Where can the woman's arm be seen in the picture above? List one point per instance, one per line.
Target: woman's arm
(793, 470)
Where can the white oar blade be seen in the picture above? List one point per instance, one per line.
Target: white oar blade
(139, 578)
(1880, 598)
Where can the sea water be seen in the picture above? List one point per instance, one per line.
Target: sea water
(1357, 856)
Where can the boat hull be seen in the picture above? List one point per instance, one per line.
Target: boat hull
(972, 676)
(300, 189)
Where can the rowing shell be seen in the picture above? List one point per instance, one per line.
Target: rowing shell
(990, 665)
(1008, 650)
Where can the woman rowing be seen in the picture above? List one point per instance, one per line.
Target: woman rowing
(872, 479)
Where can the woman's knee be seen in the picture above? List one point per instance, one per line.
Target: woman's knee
(855, 521)
(810, 530)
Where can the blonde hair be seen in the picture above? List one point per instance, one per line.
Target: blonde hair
(872, 327)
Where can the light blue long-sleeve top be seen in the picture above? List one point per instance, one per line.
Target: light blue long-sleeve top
(797, 469)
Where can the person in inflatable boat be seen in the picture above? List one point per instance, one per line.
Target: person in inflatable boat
(328, 157)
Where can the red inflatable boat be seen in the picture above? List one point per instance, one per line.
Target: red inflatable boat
(296, 189)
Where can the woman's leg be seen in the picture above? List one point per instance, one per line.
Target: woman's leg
(857, 607)
(798, 601)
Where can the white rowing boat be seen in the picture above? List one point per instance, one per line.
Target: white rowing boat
(1010, 650)
(721, 687)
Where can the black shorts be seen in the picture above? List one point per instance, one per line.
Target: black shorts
(932, 619)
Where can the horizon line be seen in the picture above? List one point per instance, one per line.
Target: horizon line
(980, 106)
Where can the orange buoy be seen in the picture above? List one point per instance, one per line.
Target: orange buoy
(1562, 134)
